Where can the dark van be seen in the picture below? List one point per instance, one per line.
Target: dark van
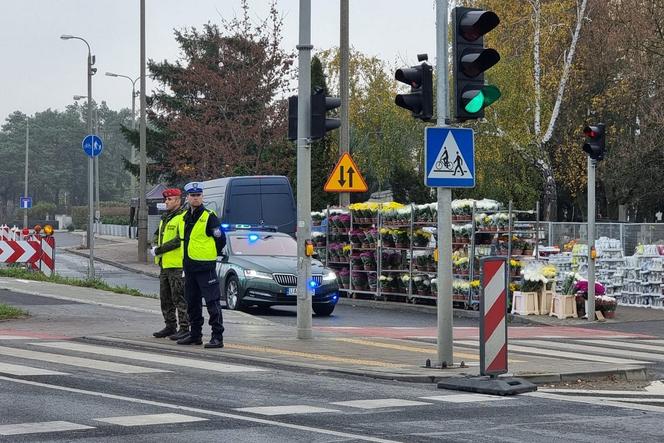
(253, 200)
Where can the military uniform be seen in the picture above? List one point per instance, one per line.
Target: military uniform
(203, 241)
(169, 255)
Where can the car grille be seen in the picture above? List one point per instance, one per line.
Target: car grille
(291, 280)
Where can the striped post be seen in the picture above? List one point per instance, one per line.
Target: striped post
(493, 313)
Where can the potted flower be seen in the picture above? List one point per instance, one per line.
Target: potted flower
(371, 237)
(386, 282)
(405, 282)
(400, 238)
(372, 280)
(549, 272)
(607, 305)
(368, 260)
(434, 287)
(318, 238)
(359, 280)
(317, 218)
(387, 238)
(344, 277)
(515, 267)
(356, 237)
(343, 221)
(356, 260)
(345, 253)
(421, 238)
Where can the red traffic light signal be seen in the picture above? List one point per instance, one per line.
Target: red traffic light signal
(595, 145)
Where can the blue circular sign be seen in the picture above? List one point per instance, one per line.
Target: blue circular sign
(92, 145)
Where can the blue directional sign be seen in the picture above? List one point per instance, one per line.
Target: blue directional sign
(449, 158)
(26, 202)
(92, 145)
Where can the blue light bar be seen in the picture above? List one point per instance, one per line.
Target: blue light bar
(253, 238)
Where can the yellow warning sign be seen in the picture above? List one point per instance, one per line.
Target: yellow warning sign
(345, 177)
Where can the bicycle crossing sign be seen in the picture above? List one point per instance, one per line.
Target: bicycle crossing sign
(449, 157)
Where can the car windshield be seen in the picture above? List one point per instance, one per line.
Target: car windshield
(265, 244)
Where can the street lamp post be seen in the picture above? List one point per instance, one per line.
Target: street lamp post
(25, 192)
(90, 236)
(133, 119)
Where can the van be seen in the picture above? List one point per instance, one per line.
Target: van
(259, 200)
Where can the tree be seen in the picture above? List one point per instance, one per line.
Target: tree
(219, 109)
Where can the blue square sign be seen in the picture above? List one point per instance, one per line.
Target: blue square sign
(26, 202)
(449, 157)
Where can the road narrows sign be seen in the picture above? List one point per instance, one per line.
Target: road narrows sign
(345, 177)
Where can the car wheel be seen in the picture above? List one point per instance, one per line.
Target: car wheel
(324, 310)
(232, 292)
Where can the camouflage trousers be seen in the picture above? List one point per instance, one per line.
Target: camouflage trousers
(171, 294)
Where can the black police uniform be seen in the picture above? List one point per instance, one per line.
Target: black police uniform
(200, 280)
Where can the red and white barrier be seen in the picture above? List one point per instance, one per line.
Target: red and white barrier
(25, 246)
(493, 311)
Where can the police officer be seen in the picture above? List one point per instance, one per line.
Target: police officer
(168, 255)
(203, 243)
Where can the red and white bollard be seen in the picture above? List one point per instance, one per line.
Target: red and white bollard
(493, 310)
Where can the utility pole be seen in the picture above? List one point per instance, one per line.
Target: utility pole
(445, 353)
(304, 291)
(591, 239)
(344, 48)
(25, 188)
(142, 203)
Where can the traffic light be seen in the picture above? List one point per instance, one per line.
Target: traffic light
(420, 99)
(320, 124)
(595, 144)
(470, 60)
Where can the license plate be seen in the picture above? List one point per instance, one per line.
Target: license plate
(293, 291)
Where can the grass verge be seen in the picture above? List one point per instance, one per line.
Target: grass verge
(7, 312)
(55, 278)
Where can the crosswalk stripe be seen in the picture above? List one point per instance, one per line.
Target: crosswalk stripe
(379, 403)
(464, 398)
(36, 428)
(552, 353)
(644, 345)
(8, 368)
(596, 349)
(285, 410)
(152, 358)
(76, 361)
(150, 419)
(15, 337)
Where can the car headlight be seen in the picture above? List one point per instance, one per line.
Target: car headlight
(330, 276)
(252, 273)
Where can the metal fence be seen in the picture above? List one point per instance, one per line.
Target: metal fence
(629, 234)
(117, 230)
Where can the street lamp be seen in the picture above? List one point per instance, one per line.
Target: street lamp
(133, 118)
(90, 72)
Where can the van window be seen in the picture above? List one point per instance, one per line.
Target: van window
(243, 208)
(278, 210)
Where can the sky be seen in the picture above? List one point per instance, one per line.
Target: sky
(41, 71)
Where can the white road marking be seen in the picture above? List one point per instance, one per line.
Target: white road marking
(285, 410)
(345, 435)
(15, 337)
(76, 361)
(551, 353)
(570, 346)
(36, 428)
(379, 403)
(595, 401)
(640, 344)
(150, 419)
(599, 392)
(465, 398)
(152, 358)
(8, 368)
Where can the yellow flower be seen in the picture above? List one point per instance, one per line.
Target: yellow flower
(475, 284)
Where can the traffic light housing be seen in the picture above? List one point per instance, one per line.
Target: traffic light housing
(470, 60)
(595, 145)
(420, 99)
(320, 124)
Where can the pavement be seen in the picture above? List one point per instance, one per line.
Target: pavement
(354, 351)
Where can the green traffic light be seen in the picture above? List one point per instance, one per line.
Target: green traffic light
(483, 98)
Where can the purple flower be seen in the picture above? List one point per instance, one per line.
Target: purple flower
(582, 286)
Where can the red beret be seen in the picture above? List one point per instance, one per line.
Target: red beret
(171, 192)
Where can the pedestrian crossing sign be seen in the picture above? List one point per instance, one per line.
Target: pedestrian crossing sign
(449, 157)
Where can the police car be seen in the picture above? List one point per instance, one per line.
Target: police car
(259, 268)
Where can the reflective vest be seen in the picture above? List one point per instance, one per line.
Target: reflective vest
(200, 247)
(172, 258)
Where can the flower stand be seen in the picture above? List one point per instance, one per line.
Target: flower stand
(525, 303)
(545, 297)
(563, 306)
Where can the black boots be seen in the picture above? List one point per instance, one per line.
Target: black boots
(182, 333)
(168, 330)
(215, 343)
(189, 340)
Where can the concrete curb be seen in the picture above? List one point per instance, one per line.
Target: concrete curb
(113, 263)
(631, 373)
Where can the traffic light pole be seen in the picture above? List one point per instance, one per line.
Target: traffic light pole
(304, 296)
(590, 309)
(444, 296)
